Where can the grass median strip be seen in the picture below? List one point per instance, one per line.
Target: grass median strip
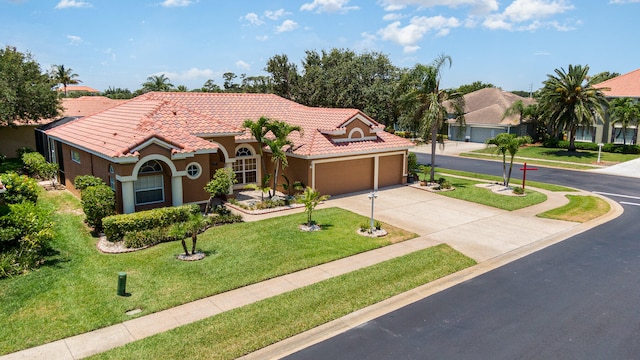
(529, 161)
(536, 184)
(252, 327)
(579, 209)
(75, 291)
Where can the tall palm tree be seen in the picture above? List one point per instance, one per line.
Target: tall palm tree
(569, 100)
(424, 102)
(508, 143)
(157, 83)
(259, 130)
(281, 131)
(64, 76)
(626, 112)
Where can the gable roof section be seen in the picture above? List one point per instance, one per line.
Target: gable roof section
(487, 106)
(87, 105)
(625, 85)
(72, 88)
(182, 119)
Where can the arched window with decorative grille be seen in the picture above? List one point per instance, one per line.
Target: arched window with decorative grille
(149, 188)
(246, 166)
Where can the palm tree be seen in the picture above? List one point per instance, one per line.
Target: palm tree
(281, 131)
(568, 100)
(424, 102)
(259, 130)
(64, 76)
(508, 143)
(626, 112)
(157, 83)
(311, 198)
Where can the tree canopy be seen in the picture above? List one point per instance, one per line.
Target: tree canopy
(26, 93)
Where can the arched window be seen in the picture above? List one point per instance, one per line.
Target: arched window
(245, 166)
(149, 187)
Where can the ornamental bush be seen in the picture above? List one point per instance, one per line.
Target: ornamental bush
(116, 226)
(25, 233)
(19, 188)
(84, 181)
(37, 166)
(98, 202)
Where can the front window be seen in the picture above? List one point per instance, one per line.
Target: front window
(194, 170)
(150, 187)
(245, 166)
(75, 156)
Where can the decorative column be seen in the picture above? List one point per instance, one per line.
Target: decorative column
(128, 197)
(176, 190)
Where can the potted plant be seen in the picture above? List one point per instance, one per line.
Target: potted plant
(412, 167)
(424, 174)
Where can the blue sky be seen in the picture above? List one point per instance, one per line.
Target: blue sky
(511, 44)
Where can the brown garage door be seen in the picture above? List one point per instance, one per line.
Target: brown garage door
(346, 176)
(390, 170)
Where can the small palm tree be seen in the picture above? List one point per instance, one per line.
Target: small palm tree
(281, 130)
(508, 143)
(311, 198)
(64, 76)
(626, 112)
(569, 100)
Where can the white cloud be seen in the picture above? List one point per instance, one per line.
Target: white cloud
(524, 10)
(287, 25)
(275, 15)
(328, 6)
(63, 4)
(262, 37)
(477, 6)
(74, 39)
(408, 36)
(392, 17)
(243, 65)
(253, 19)
(191, 74)
(623, 1)
(176, 3)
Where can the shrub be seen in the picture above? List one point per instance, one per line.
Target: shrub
(445, 185)
(147, 237)
(222, 181)
(364, 227)
(518, 191)
(551, 143)
(225, 219)
(23, 150)
(412, 164)
(2, 158)
(25, 233)
(84, 181)
(621, 149)
(377, 225)
(222, 210)
(37, 166)
(116, 226)
(19, 188)
(98, 202)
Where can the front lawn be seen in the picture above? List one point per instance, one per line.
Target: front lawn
(75, 291)
(252, 327)
(579, 209)
(539, 185)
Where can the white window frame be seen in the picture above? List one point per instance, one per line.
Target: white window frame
(239, 167)
(197, 166)
(150, 169)
(75, 156)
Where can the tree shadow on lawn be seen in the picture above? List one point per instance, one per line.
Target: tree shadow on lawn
(570, 154)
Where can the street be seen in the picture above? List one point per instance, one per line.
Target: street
(577, 299)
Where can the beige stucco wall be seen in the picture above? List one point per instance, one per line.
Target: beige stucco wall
(11, 139)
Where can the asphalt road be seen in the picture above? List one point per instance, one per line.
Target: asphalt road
(578, 299)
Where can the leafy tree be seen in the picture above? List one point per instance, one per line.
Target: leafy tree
(26, 93)
(524, 112)
(424, 102)
(474, 86)
(256, 84)
(508, 143)
(311, 198)
(229, 82)
(626, 112)
(284, 75)
(602, 76)
(181, 88)
(569, 101)
(64, 76)
(210, 86)
(281, 130)
(117, 93)
(222, 181)
(157, 83)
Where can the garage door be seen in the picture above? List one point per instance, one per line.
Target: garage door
(341, 177)
(480, 135)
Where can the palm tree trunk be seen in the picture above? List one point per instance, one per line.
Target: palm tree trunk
(572, 139)
(434, 138)
(184, 246)
(275, 177)
(504, 169)
(510, 168)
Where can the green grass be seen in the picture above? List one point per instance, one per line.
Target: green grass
(581, 159)
(540, 185)
(466, 190)
(75, 291)
(579, 209)
(252, 327)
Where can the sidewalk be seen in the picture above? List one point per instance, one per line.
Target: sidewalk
(402, 206)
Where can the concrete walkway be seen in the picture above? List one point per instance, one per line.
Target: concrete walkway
(490, 236)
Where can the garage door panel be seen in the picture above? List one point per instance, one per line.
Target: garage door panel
(342, 177)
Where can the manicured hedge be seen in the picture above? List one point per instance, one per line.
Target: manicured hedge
(82, 182)
(20, 188)
(98, 202)
(116, 226)
(612, 148)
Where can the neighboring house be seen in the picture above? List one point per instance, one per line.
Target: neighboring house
(161, 148)
(21, 135)
(483, 112)
(623, 86)
(78, 89)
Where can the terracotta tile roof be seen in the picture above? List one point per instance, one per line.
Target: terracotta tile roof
(625, 85)
(71, 88)
(487, 106)
(87, 105)
(181, 118)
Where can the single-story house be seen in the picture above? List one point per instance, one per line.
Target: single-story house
(161, 148)
(71, 89)
(623, 86)
(484, 116)
(21, 135)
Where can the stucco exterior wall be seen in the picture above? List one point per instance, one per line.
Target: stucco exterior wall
(193, 189)
(11, 139)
